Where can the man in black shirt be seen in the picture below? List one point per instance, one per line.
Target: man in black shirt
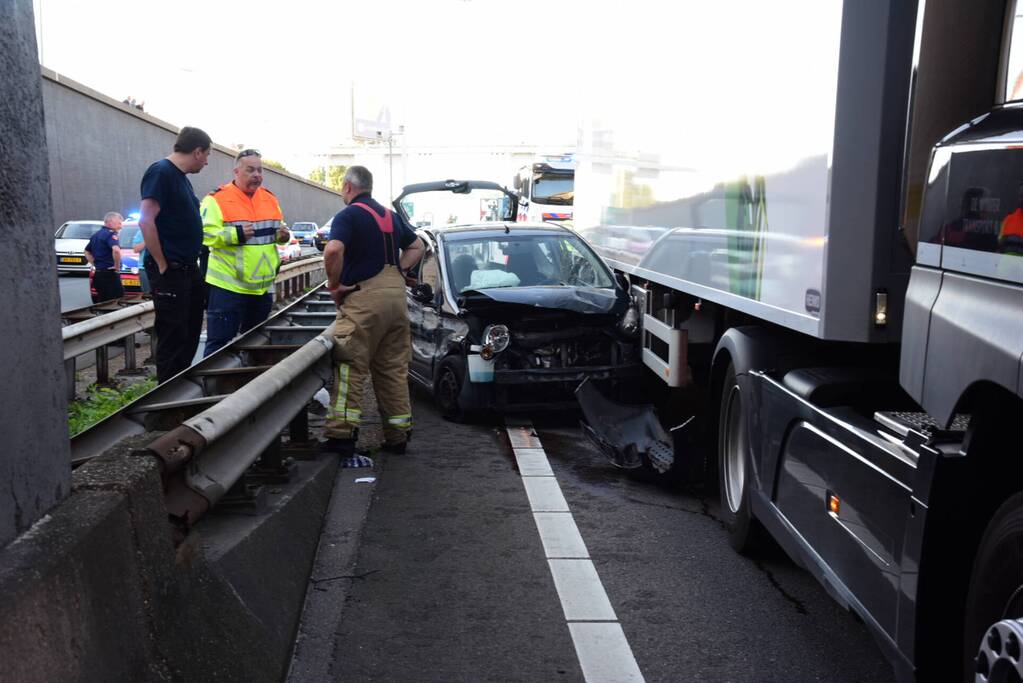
(104, 255)
(172, 231)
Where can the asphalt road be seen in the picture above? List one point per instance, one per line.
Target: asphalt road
(435, 571)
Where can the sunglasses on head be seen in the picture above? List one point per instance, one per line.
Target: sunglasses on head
(248, 153)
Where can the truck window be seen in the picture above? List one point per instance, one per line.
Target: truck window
(1014, 56)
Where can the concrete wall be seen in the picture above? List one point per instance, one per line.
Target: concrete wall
(34, 456)
(99, 149)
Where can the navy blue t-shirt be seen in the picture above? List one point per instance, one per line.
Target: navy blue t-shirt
(365, 245)
(101, 246)
(179, 222)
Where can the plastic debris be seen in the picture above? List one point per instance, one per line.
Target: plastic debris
(357, 461)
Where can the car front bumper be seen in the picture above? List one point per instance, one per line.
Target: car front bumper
(72, 264)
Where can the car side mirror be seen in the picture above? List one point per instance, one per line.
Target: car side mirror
(423, 293)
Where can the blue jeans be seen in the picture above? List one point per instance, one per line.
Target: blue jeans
(229, 313)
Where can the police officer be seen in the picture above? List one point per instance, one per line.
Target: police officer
(241, 223)
(370, 248)
(104, 255)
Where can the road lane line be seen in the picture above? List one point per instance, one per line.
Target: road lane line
(600, 643)
(533, 462)
(582, 595)
(560, 536)
(544, 494)
(604, 653)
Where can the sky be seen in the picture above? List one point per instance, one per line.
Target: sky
(279, 76)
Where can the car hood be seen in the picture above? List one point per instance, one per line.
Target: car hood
(77, 246)
(586, 300)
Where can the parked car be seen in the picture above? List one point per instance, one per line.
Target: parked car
(290, 250)
(509, 316)
(130, 265)
(70, 241)
(304, 231)
(322, 234)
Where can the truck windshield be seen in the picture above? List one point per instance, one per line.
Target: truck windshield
(554, 189)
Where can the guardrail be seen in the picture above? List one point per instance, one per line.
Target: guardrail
(115, 323)
(220, 416)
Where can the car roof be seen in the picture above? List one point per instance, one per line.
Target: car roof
(90, 222)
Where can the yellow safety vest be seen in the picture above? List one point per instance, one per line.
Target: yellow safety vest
(246, 266)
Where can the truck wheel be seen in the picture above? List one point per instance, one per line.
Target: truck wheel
(447, 389)
(744, 532)
(992, 635)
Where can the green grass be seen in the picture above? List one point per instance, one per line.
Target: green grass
(101, 402)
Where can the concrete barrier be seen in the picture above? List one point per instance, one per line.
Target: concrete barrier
(95, 590)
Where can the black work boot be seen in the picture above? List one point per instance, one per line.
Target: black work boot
(344, 448)
(398, 448)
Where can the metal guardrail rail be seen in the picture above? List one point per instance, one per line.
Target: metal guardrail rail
(214, 420)
(96, 327)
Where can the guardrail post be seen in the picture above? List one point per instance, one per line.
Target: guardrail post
(298, 430)
(69, 372)
(103, 365)
(129, 354)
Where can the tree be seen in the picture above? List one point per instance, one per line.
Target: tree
(331, 176)
(274, 164)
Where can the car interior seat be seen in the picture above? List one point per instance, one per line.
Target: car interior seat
(461, 271)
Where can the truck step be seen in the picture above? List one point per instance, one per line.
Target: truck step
(903, 422)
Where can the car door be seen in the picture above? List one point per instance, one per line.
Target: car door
(421, 364)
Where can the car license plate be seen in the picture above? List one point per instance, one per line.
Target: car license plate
(130, 281)
(71, 259)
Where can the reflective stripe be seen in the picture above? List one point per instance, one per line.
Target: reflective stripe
(350, 416)
(343, 370)
(230, 282)
(400, 421)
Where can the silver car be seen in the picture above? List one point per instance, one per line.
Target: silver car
(70, 241)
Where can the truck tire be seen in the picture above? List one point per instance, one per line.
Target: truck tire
(744, 532)
(995, 595)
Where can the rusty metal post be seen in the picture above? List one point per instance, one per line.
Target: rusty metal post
(103, 365)
(69, 371)
(129, 354)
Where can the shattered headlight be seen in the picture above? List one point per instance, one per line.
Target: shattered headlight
(629, 324)
(495, 340)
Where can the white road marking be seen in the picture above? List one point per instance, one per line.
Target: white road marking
(533, 462)
(544, 494)
(604, 653)
(600, 643)
(582, 595)
(560, 536)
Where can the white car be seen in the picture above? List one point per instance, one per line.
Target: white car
(70, 241)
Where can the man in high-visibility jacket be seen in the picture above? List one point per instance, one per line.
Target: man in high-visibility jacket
(242, 224)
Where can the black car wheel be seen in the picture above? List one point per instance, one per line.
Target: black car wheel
(448, 389)
(744, 531)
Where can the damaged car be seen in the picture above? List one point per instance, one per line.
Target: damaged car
(509, 316)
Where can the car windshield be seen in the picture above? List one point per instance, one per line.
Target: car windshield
(77, 231)
(127, 236)
(554, 189)
(304, 227)
(523, 260)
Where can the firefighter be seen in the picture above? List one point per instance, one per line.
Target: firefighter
(369, 251)
(241, 223)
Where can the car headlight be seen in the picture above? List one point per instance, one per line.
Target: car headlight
(495, 339)
(629, 324)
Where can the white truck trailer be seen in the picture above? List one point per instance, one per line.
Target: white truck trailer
(828, 249)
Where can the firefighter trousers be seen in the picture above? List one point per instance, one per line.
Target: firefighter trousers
(371, 338)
